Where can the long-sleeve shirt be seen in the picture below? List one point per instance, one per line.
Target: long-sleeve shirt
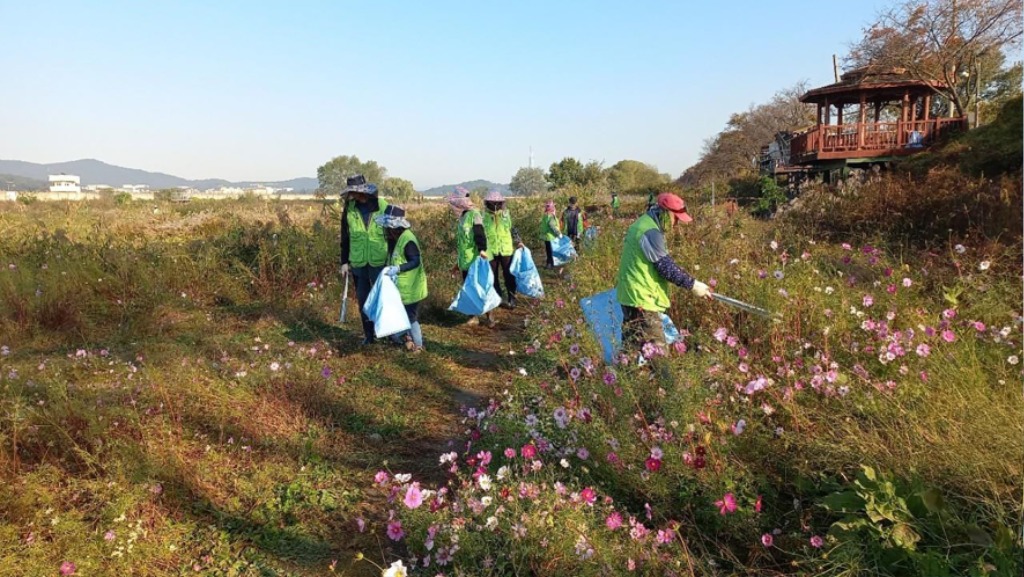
(411, 253)
(365, 210)
(479, 235)
(655, 250)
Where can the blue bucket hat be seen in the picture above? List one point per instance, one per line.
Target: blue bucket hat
(393, 217)
(357, 183)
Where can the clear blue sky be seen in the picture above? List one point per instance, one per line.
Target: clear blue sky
(438, 92)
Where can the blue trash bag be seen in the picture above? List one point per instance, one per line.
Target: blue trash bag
(525, 271)
(603, 314)
(477, 295)
(590, 235)
(562, 250)
(384, 307)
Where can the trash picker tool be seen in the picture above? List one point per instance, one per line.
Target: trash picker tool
(344, 300)
(743, 306)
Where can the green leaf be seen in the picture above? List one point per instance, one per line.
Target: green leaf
(869, 473)
(905, 537)
(979, 536)
(933, 500)
(844, 502)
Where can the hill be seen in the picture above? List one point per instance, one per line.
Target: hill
(15, 182)
(94, 171)
(447, 189)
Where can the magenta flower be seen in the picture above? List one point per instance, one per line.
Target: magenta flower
(979, 326)
(413, 496)
(510, 453)
(613, 521)
(923, 350)
(664, 536)
(380, 478)
(727, 504)
(767, 540)
(588, 495)
(757, 504)
(67, 568)
(653, 465)
(948, 336)
(817, 542)
(528, 451)
(395, 532)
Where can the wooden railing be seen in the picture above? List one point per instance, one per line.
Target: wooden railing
(871, 137)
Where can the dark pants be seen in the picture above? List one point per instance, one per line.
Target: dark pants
(549, 254)
(366, 277)
(413, 311)
(503, 263)
(641, 326)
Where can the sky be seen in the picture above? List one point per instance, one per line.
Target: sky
(438, 92)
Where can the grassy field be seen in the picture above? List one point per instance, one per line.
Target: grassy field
(178, 397)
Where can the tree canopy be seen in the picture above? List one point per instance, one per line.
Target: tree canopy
(333, 173)
(528, 182)
(398, 189)
(565, 172)
(632, 175)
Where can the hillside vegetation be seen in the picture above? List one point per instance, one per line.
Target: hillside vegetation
(178, 397)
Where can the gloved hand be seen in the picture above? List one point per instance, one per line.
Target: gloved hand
(702, 290)
(344, 269)
(391, 271)
(559, 235)
(483, 254)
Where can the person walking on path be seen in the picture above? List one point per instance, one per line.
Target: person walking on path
(405, 267)
(502, 240)
(646, 269)
(573, 218)
(470, 237)
(549, 231)
(616, 203)
(364, 249)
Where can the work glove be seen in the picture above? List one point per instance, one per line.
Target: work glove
(391, 271)
(344, 269)
(700, 289)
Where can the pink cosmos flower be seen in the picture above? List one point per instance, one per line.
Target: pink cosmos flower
(979, 326)
(588, 495)
(109, 536)
(757, 504)
(923, 350)
(413, 496)
(613, 521)
(664, 536)
(395, 532)
(907, 282)
(948, 336)
(528, 451)
(817, 542)
(727, 504)
(868, 300)
(949, 314)
(653, 465)
(767, 540)
(67, 568)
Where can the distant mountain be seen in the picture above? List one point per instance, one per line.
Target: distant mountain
(15, 182)
(447, 189)
(97, 172)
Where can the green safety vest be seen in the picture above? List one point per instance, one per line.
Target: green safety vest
(639, 283)
(499, 233)
(464, 245)
(412, 284)
(616, 202)
(549, 229)
(367, 246)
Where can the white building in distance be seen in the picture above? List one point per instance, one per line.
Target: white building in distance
(67, 183)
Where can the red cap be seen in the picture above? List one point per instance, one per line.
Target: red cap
(675, 205)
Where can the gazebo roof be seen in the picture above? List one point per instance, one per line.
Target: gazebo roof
(875, 82)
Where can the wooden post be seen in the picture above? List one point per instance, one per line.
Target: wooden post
(878, 111)
(828, 113)
(862, 119)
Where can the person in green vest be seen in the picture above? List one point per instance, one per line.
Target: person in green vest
(549, 231)
(616, 203)
(573, 217)
(502, 240)
(405, 267)
(646, 269)
(470, 237)
(364, 249)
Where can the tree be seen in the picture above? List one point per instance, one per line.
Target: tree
(593, 174)
(941, 41)
(528, 182)
(333, 173)
(565, 172)
(631, 175)
(398, 189)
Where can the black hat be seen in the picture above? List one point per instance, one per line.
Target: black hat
(357, 183)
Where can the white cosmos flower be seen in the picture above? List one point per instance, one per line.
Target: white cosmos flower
(983, 265)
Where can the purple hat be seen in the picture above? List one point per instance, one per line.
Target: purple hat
(494, 196)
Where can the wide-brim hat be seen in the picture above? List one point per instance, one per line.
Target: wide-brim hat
(494, 196)
(675, 205)
(393, 217)
(358, 184)
(459, 202)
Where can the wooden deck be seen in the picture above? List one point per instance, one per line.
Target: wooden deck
(869, 139)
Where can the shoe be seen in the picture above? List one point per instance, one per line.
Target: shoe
(490, 321)
(512, 303)
(365, 342)
(409, 344)
(506, 305)
(473, 321)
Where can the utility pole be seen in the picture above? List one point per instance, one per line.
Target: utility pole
(835, 68)
(531, 156)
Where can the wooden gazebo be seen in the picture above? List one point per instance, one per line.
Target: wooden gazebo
(893, 117)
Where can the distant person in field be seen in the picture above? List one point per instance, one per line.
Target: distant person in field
(405, 267)
(470, 237)
(502, 240)
(572, 216)
(616, 203)
(646, 269)
(364, 249)
(549, 231)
